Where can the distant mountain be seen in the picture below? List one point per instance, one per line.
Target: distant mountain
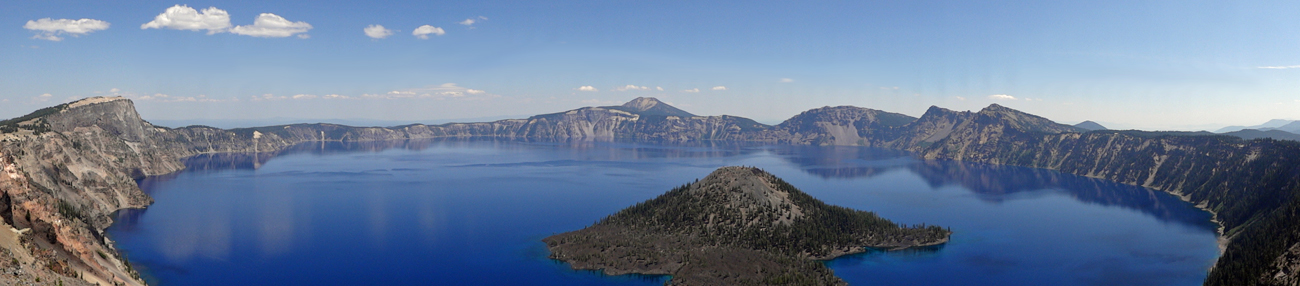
(1293, 127)
(1089, 125)
(1271, 124)
(651, 106)
(1256, 134)
(737, 226)
(71, 166)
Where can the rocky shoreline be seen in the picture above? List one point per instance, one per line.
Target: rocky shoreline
(67, 168)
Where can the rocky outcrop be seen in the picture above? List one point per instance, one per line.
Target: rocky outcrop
(651, 106)
(65, 168)
(737, 226)
(840, 125)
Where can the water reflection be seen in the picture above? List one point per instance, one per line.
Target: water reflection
(461, 211)
(989, 182)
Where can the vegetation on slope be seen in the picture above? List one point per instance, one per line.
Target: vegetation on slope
(738, 226)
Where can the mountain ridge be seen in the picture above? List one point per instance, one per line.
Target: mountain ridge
(74, 163)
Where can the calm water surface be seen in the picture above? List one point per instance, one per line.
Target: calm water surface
(473, 212)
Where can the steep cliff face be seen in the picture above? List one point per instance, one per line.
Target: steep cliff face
(66, 168)
(72, 166)
(840, 125)
(1250, 185)
(936, 124)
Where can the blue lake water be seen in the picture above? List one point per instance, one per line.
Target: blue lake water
(474, 212)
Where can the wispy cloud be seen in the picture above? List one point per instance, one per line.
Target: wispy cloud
(423, 32)
(377, 32)
(471, 21)
(719, 88)
(594, 101)
(1002, 97)
(42, 98)
(51, 29)
(786, 80)
(1279, 67)
(158, 97)
(692, 90)
(587, 88)
(443, 91)
(960, 98)
(631, 87)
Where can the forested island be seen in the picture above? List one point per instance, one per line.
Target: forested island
(737, 226)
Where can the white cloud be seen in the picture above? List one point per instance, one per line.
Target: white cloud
(787, 80)
(269, 25)
(594, 101)
(659, 88)
(960, 98)
(51, 29)
(336, 96)
(692, 90)
(423, 32)
(719, 88)
(1002, 97)
(268, 96)
(181, 17)
(587, 88)
(377, 31)
(304, 36)
(305, 96)
(631, 87)
(467, 22)
(1279, 67)
(889, 88)
(443, 91)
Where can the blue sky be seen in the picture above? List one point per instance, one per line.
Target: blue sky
(1186, 65)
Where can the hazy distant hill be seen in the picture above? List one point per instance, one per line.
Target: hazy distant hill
(1271, 124)
(1256, 134)
(1293, 127)
(1089, 125)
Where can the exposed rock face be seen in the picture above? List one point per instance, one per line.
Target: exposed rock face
(840, 125)
(737, 226)
(64, 169)
(652, 106)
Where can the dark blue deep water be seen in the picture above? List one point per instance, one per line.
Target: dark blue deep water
(473, 212)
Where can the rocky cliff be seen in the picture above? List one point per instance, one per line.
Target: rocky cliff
(737, 226)
(67, 167)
